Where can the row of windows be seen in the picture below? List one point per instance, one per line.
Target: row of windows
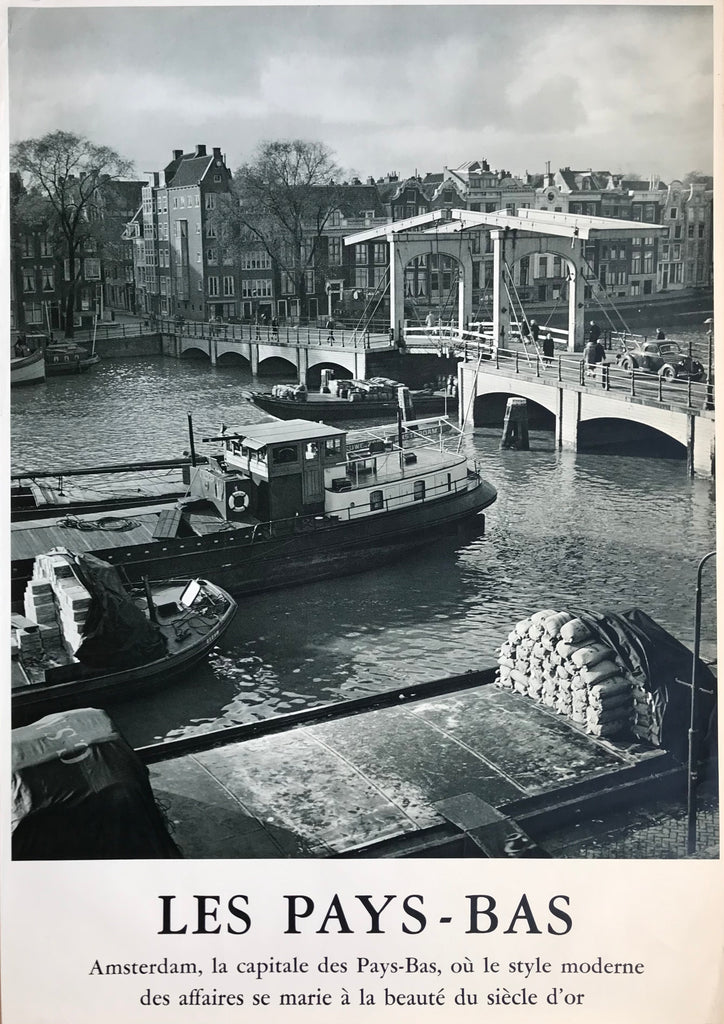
(227, 282)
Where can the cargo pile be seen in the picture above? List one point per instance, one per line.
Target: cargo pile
(555, 659)
(56, 606)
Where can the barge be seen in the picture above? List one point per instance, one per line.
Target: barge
(27, 369)
(342, 400)
(282, 503)
(85, 639)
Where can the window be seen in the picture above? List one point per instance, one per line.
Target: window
(636, 264)
(175, 202)
(48, 279)
(335, 219)
(419, 490)
(228, 285)
(212, 256)
(701, 230)
(92, 269)
(210, 231)
(380, 254)
(360, 277)
(28, 280)
(542, 266)
(379, 275)
(377, 501)
(690, 231)
(334, 251)
(333, 447)
(677, 231)
(649, 263)
(673, 213)
(257, 260)
(285, 455)
(213, 285)
(210, 201)
(311, 451)
(217, 177)
(182, 202)
(635, 287)
(360, 253)
(45, 246)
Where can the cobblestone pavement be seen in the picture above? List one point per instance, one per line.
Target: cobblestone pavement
(658, 833)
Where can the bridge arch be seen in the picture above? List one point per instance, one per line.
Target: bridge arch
(628, 437)
(191, 351)
(489, 410)
(233, 358)
(277, 366)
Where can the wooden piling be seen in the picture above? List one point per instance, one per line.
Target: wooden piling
(515, 428)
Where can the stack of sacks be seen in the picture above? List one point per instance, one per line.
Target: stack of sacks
(648, 716)
(553, 658)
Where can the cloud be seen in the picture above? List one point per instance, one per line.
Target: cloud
(387, 86)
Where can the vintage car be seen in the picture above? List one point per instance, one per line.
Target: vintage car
(662, 357)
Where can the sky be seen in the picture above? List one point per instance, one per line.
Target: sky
(388, 88)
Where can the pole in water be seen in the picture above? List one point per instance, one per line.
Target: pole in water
(515, 427)
(191, 440)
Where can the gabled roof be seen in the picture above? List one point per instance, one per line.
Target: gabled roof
(190, 170)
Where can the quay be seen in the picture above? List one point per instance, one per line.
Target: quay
(480, 772)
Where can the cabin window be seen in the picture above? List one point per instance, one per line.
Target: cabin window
(449, 481)
(419, 492)
(287, 454)
(376, 501)
(311, 451)
(333, 447)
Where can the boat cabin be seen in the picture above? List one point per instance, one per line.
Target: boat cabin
(273, 471)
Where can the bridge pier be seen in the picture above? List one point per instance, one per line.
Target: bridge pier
(700, 446)
(567, 419)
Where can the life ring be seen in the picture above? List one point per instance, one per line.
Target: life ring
(238, 501)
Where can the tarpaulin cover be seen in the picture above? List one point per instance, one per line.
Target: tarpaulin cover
(662, 666)
(116, 632)
(79, 792)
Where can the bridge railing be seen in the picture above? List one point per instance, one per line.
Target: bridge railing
(569, 367)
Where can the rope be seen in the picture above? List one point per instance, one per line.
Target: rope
(108, 523)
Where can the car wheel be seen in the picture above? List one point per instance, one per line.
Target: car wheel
(668, 372)
(627, 363)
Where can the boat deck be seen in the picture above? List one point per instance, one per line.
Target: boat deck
(389, 467)
(124, 489)
(130, 526)
(339, 787)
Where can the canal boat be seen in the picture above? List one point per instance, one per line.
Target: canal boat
(68, 358)
(27, 369)
(281, 503)
(85, 639)
(40, 494)
(341, 400)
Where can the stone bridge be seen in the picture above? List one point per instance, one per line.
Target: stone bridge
(682, 411)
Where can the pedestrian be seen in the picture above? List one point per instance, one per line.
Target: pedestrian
(659, 334)
(594, 331)
(429, 321)
(549, 349)
(525, 330)
(590, 357)
(600, 352)
(330, 330)
(534, 331)
(275, 327)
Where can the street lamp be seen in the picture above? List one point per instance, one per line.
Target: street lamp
(693, 763)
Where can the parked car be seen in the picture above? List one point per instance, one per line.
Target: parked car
(662, 357)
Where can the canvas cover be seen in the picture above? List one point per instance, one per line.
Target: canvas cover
(80, 792)
(117, 633)
(663, 666)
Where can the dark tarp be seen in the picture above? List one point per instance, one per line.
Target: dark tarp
(662, 666)
(79, 792)
(116, 631)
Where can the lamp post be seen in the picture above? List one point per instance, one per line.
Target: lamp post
(709, 324)
(693, 764)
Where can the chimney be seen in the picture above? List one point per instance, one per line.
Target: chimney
(200, 150)
(217, 153)
(177, 154)
(370, 181)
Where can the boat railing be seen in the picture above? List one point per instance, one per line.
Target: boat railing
(409, 498)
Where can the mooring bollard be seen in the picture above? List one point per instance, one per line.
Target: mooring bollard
(515, 428)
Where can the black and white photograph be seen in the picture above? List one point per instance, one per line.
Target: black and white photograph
(361, 444)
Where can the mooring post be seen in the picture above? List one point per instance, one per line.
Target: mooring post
(515, 428)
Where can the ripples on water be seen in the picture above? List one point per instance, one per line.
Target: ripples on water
(598, 531)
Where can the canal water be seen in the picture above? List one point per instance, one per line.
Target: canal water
(605, 532)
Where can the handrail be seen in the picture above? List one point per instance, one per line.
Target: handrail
(568, 367)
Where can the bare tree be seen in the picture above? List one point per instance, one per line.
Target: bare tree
(71, 178)
(282, 200)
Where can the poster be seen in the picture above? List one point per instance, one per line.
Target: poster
(542, 924)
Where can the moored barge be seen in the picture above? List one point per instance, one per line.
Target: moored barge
(283, 502)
